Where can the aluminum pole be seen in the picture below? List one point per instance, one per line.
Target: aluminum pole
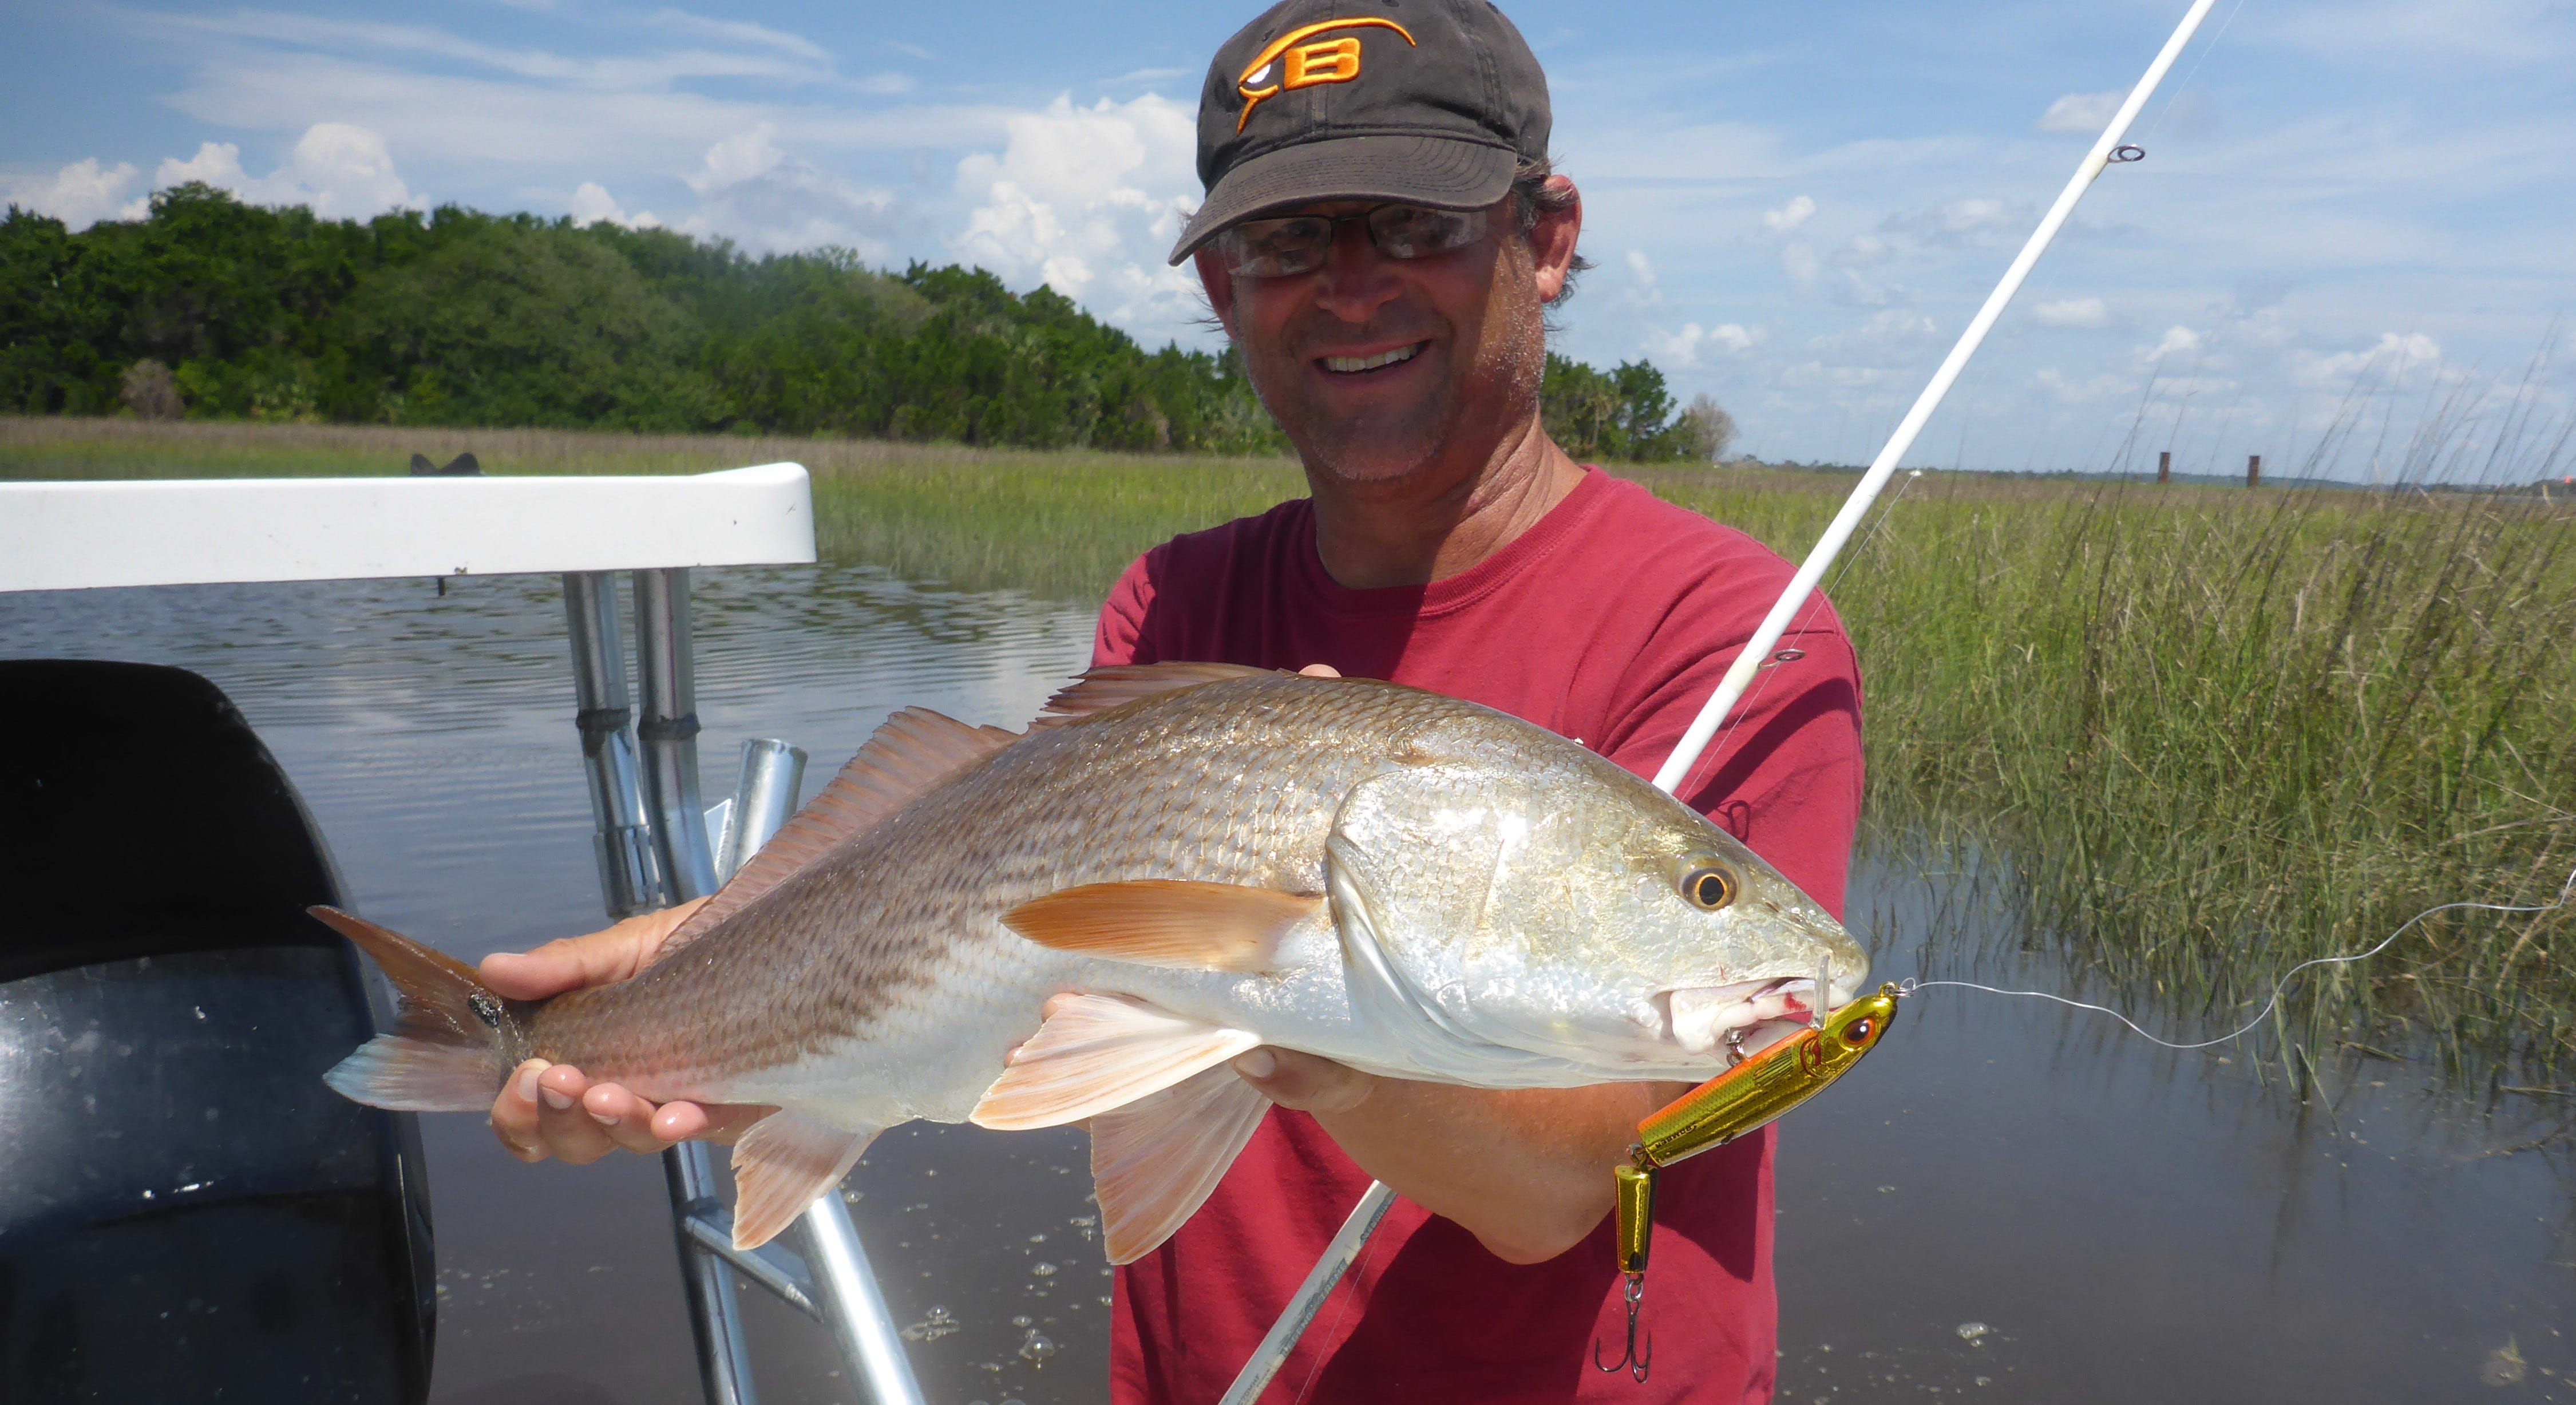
(668, 733)
(1757, 650)
(622, 842)
(852, 1307)
(666, 675)
(843, 1292)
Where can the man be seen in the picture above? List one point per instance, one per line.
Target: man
(1381, 238)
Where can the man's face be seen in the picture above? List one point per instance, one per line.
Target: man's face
(1382, 368)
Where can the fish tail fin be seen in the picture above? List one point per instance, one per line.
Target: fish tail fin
(454, 1042)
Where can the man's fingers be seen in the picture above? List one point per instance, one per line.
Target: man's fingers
(514, 1113)
(1303, 1081)
(570, 1132)
(1320, 670)
(575, 963)
(720, 1123)
(628, 1119)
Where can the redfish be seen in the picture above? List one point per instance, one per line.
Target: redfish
(1204, 859)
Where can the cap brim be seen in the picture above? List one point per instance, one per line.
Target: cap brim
(1441, 172)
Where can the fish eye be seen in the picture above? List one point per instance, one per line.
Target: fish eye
(1709, 888)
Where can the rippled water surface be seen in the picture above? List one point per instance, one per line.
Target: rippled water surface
(2007, 1203)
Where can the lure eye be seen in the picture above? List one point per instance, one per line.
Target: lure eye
(1859, 1032)
(1709, 888)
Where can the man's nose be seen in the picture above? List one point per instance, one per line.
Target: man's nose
(1355, 280)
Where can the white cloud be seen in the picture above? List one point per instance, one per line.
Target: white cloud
(1799, 261)
(1644, 288)
(2390, 360)
(1088, 201)
(1956, 221)
(1798, 211)
(1890, 333)
(2084, 313)
(591, 204)
(337, 170)
(2083, 114)
(1681, 349)
(2068, 392)
(2177, 341)
(80, 194)
(751, 190)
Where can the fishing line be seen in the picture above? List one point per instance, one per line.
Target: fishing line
(1910, 985)
(2194, 72)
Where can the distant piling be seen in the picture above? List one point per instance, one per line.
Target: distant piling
(2253, 470)
(2164, 467)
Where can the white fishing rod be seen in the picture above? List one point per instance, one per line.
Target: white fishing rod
(2107, 151)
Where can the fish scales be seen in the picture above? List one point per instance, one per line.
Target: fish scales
(1220, 784)
(1413, 885)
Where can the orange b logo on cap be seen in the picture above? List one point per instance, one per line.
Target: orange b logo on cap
(1305, 65)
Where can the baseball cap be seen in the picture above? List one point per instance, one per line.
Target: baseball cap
(1429, 102)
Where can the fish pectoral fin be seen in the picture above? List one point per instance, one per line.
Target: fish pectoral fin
(1156, 1160)
(912, 753)
(1097, 1053)
(1167, 922)
(785, 1163)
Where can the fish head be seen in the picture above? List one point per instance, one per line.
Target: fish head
(1566, 910)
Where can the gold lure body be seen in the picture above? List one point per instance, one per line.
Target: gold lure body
(1746, 1098)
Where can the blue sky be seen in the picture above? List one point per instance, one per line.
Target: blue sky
(2354, 216)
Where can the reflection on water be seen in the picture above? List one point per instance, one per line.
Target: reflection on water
(2009, 1201)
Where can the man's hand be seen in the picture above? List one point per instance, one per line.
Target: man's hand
(551, 1109)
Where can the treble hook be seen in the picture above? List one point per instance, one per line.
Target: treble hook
(1634, 1360)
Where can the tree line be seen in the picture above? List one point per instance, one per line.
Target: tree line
(212, 308)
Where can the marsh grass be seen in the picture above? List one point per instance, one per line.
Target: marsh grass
(2223, 732)
(2217, 732)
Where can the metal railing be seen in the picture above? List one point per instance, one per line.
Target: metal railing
(657, 846)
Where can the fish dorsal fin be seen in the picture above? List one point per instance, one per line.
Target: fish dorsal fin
(1167, 922)
(914, 751)
(1101, 689)
(1156, 1160)
(784, 1163)
(1097, 1053)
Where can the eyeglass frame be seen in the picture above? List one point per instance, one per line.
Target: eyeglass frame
(1227, 240)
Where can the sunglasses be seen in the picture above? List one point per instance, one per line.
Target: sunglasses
(1283, 248)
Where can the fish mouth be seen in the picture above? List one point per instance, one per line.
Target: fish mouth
(1744, 1016)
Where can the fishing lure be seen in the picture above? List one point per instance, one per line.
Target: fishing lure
(1746, 1098)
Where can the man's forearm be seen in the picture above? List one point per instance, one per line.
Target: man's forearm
(1527, 1172)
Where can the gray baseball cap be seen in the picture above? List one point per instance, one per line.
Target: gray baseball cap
(1430, 102)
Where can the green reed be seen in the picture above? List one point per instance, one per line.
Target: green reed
(2223, 732)
(2217, 732)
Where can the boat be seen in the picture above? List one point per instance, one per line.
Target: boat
(186, 1211)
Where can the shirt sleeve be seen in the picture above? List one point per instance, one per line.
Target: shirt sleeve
(1119, 638)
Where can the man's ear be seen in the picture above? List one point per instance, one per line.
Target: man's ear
(1219, 285)
(1552, 241)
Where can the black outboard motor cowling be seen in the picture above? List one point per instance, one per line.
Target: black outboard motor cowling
(186, 1212)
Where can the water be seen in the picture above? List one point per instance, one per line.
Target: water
(2008, 1202)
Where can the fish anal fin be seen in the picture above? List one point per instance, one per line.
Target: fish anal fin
(785, 1163)
(1097, 1053)
(1167, 922)
(1156, 1160)
(1102, 689)
(914, 751)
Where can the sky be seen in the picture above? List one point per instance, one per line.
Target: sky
(2348, 244)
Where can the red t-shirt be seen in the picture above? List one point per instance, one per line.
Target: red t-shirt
(1610, 621)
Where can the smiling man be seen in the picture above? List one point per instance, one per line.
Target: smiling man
(1381, 240)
